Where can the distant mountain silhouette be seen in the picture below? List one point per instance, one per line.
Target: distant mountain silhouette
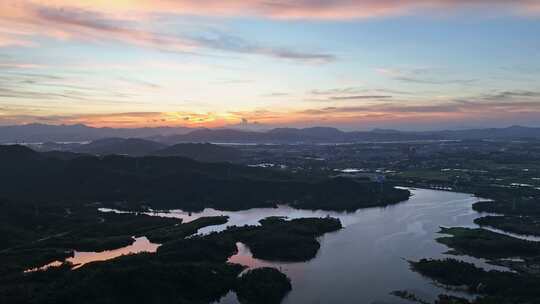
(201, 152)
(76, 133)
(332, 135)
(171, 136)
(140, 147)
(279, 135)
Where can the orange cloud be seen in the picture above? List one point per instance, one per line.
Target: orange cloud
(27, 18)
(505, 105)
(128, 120)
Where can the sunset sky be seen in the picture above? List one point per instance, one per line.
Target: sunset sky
(406, 64)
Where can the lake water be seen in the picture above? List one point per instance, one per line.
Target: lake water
(367, 259)
(80, 258)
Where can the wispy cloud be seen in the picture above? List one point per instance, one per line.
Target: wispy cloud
(122, 119)
(427, 76)
(233, 81)
(337, 91)
(489, 107)
(353, 94)
(61, 90)
(506, 95)
(300, 9)
(360, 97)
(498, 102)
(19, 65)
(127, 21)
(139, 82)
(77, 22)
(7, 40)
(275, 94)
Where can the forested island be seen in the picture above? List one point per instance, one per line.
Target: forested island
(187, 268)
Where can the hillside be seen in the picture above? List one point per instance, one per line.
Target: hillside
(119, 146)
(175, 182)
(204, 152)
(201, 152)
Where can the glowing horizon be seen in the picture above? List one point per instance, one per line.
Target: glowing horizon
(408, 64)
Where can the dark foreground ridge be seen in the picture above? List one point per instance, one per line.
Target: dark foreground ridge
(174, 182)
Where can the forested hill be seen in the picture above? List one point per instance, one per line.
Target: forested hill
(175, 182)
(143, 147)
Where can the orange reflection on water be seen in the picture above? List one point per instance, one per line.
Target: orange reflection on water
(79, 259)
(244, 257)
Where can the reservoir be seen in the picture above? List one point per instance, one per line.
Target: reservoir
(368, 258)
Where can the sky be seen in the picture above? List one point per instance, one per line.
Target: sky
(355, 65)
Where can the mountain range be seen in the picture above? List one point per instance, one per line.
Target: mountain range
(204, 152)
(333, 135)
(34, 133)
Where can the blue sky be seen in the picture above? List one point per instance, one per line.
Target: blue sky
(406, 64)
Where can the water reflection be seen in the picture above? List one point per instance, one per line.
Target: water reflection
(250, 216)
(367, 259)
(531, 238)
(80, 258)
(244, 257)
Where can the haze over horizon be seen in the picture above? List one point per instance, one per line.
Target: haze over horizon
(264, 128)
(354, 65)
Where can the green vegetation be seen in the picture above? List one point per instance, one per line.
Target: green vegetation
(142, 278)
(201, 152)
(344, 194)
(487, 244)
(526, 225)
(409, 296)
(215, 248)
(262, 286)
(33, 234)
(442, 299)
(188, 270)
(174, 274)
(176, 232)
(277, 239)
(494, 286)
(516, 206)
(132, 183)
